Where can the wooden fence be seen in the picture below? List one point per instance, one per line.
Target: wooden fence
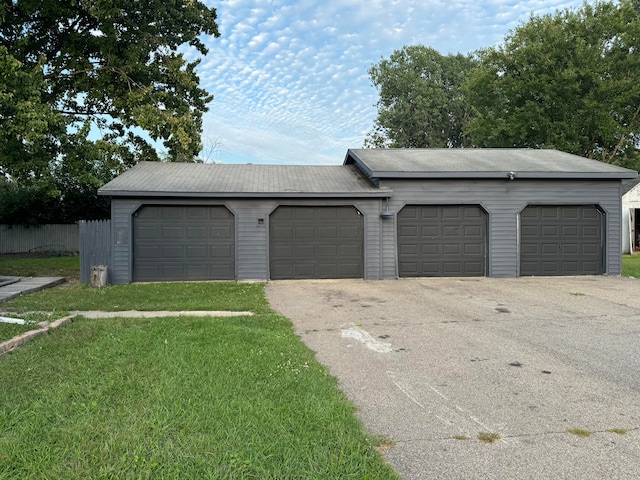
(38, 238)
(95, 246)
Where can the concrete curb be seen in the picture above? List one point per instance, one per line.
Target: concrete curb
(13, 343)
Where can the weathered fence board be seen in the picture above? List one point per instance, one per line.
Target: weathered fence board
(38, 238)
(95, 247)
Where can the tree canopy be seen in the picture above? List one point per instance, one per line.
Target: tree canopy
(90, 87)
(567, 81)
(421, 103)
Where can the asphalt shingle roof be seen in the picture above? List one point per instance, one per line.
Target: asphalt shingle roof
(216, 180)
(480, 163)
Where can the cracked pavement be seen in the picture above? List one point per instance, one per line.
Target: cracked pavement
(433, 363)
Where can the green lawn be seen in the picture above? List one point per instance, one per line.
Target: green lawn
(186, 397)
(631, 266)
(63, 266)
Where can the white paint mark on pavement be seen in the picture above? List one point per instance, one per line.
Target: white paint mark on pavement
(369, 341)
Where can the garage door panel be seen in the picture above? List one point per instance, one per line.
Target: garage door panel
(172, 251)
(278, 232)
(561, 240)
(197, 251)
(350, 250)
(570, 230)
(183, 243)
(451, 240)
(221, 251)
(569, 249)
(451, 250)
(148, 232)
(451, 231)
(429, 249)
(408, 249)
(304, 233)
(200, 213)
(327, 231)
(171, 232)
(351, 231)
(305, 251)
(283, 251)
(593, 232)
(472, 249)
(327, 242)
(172, 213)
(429, 230)
(194, 233)
(328, 250)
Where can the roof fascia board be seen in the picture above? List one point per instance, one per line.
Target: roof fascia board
(504, 175)
(382, 193)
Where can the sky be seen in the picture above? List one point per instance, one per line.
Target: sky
(290, 78)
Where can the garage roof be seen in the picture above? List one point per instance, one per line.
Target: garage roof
(206, 180)
(480, 163)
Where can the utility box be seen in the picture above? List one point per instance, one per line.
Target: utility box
(99, 276)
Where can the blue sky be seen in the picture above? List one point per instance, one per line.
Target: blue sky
(290, 78)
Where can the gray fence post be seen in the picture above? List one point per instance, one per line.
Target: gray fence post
(95, 247)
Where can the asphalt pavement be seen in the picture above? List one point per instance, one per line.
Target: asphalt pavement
(434, 363)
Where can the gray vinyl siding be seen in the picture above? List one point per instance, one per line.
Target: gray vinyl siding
(503, 201)
(121, 211)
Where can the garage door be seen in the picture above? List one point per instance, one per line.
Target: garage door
(183, 243)
(316, 242)
(561, 240)
(442, 241)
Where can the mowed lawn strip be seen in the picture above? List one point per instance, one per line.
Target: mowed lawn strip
(67, 266)
(185, 397)
(175, 296)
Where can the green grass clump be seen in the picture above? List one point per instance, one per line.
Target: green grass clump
(10, 330)
(579, 432)
(619, 431)
(631, 266)
(486, 437)
(147, 296)
(58, 266)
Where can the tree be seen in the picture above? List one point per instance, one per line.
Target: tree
(87, 87)
(421, 103)
(567, 81)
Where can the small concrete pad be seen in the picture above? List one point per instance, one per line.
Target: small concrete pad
(28, 285)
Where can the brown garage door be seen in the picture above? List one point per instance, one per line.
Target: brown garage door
(183, 243)
(442, 241)
(561, 240)
(316, 242)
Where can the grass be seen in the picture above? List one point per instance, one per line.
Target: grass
(485, 437)
(37, 266)
(151, 296)
(579, 432)
(619, 431)
(10, 330)
(185, 397)
(631, 266)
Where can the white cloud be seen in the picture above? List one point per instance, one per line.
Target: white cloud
(290, 77)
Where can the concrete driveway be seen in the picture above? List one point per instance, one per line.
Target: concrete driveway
(432, 363)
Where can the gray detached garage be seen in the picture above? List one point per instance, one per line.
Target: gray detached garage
(384, 213)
